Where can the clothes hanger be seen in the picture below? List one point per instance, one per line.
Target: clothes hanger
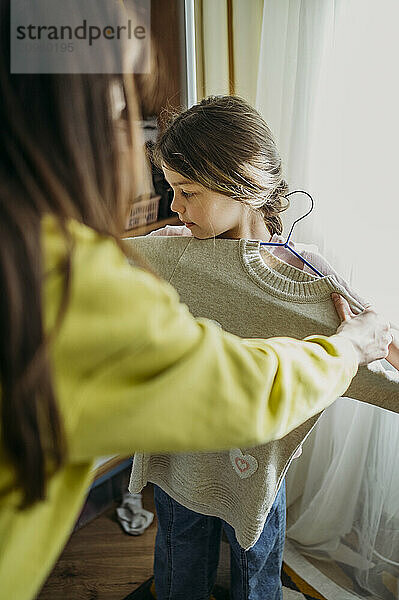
(286, 243)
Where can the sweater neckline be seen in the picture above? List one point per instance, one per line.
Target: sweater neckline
(281, 279)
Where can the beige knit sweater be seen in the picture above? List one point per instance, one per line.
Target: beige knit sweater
(251, 293)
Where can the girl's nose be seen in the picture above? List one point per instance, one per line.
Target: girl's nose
(177, 206)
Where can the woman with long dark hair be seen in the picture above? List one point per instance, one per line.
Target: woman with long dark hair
(91, 359)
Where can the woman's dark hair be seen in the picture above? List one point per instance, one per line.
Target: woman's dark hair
(62, 151)
(223, 143)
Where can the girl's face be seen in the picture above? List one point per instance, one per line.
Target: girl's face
(207, 213)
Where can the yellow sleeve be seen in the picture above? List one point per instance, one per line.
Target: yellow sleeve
(134, 370)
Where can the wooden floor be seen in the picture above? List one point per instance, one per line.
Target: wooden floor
(101, 562)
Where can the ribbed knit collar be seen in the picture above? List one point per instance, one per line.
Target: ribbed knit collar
(283, 280)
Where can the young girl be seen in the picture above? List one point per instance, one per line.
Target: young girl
(220, 159)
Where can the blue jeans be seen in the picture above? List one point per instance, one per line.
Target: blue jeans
(187, 554)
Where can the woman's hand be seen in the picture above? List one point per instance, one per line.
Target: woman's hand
(369, 333)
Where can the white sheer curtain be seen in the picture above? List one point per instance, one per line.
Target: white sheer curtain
(328, 86)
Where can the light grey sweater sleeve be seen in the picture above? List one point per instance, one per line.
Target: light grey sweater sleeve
(377, 384)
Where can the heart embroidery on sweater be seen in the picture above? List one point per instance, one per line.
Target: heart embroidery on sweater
(244, 465)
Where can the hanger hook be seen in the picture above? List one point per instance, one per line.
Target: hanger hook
(303, 216)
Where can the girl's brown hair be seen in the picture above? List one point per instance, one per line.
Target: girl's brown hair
(224, 144)
(61, 152)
